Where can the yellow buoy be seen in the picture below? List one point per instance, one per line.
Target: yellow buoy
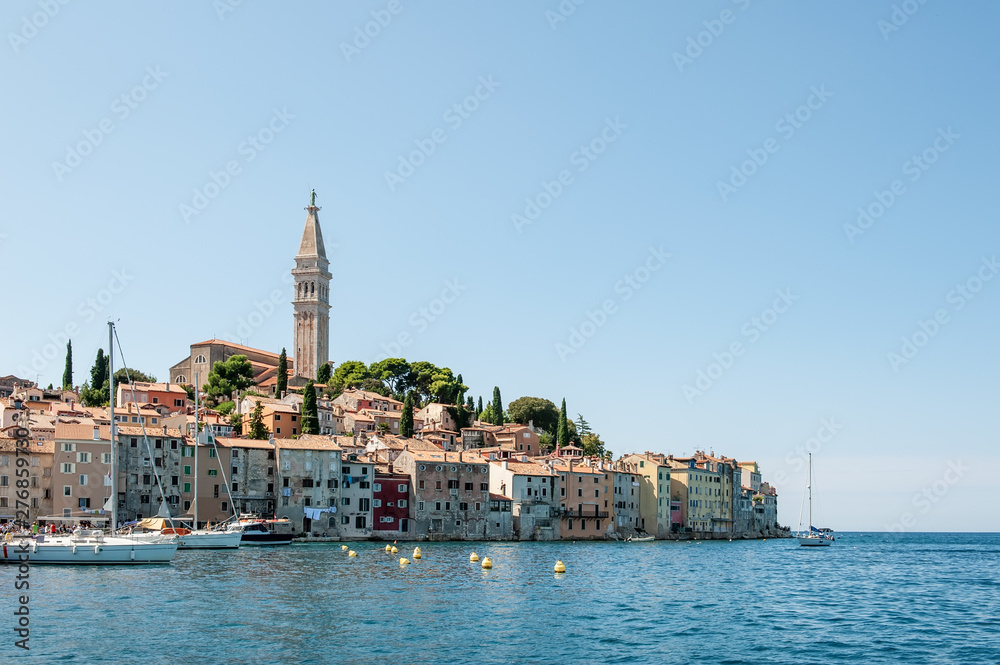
(487, 564)
(343, 547)
(560, 567)
(394, 549)
(417, 553)
(473, 557)
(352, 553)
(403, 561)
(388, 548)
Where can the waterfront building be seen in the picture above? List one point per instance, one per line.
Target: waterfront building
(584, 497)
(355, 510)
(40, 459)
(309, 471)
(251, 473)
(531, 489)
(655, 492)
(626, 495)
(451, 493)
(142, 453)
(81, 466)
(501, 520)
(391, 503)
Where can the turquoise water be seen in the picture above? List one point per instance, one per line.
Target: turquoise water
(914, 598)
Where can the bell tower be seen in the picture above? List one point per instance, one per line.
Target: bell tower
(311, 302)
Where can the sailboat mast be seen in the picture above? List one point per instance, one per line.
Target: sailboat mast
(114, 435)
(196, 435)
(810, 492)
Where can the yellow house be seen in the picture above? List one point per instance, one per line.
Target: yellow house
(654, 495)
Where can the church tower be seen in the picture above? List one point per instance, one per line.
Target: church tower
(311, 303)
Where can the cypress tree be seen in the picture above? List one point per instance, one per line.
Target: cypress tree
(310, 412)
(470, 405)
(68, 370)
(282, 384)
(497, 407)
(479, 409)
(406, 418)
(562, 434)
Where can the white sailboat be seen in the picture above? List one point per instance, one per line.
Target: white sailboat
(93, 546)
(217, 538)
(814, 537)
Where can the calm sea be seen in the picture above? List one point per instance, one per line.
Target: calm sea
(871, 598)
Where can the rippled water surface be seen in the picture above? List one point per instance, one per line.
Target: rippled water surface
(914, 598)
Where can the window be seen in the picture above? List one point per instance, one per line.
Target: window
(187, 487)
(69, 447)
(146, 478)
(437, 505)
(364, 504)
(597, 493)
(175, 480)
(468, 486)
(484, 487)
(569, 525)
(376, 503)
(200, 359)
(215, 492)
(211, 453)
(213, 472)
(447, 505)
(359, 522)
(347, 470)
(83, 458)
(284, 482)
(67, 490)
(307, 501)
(344, 519)
(106, 458)
(68, 467)
(453, 484)
(402, 488)
(463, 506)
(83, 479)
(307, 482)
(4, 481)
(420, 505)
(187, 470)
(3, 502)
(277, 417)
(187, 451)
(420, 484)
(224, 506)
(236, 487)
(401, 503)
(579, 491)
(438, 485)
(84, 502)
(345, 501)
(277, 430)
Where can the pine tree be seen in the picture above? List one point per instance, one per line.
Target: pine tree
(256, 427)
(282, 385)
(406, 418)
(562, 433)
(310, 412)
(68, 371)
(324, 373)
(497, 407)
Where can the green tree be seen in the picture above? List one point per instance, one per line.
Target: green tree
(592, 445)
(486, 415)
(395, 373)
(236, 420)
(310, 412)
(546, 442)
(281, 387)
(189, 390)
(350, 374)
(255, 424)
(95, 393)
(228, 377)
(541, 412)
(497, 407)
(582, 426)
(562, 433)
(470, 405)
(382, 428)
(406, 417)
(67, 383)
(479, 408)
(324, 373)
(225, 408)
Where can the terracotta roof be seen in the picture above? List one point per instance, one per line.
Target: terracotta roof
(222, 342)
(7, 445)
(499, 497)
(463, 457)
(278, 406)
(525, 468)
(230, 442)
(82, 432)
(308, 442)
(153, 431)
(578, 468)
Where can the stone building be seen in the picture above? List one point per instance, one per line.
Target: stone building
(627, 495)
(357, 474)
(311, 302)
(309, 470)
(531, 488)
(450, 493)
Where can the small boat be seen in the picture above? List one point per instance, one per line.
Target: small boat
(217, 538)
(261, 532)
(640, 539)
(814, 537)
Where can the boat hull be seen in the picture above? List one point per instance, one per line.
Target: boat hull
(210, 540)
(67, 552)
(814, 542)
(266, 539)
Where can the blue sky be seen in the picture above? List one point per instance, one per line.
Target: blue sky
(106, 233)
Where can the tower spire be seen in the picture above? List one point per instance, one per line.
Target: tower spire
(311, 302)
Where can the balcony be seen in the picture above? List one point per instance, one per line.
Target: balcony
(570, 512)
